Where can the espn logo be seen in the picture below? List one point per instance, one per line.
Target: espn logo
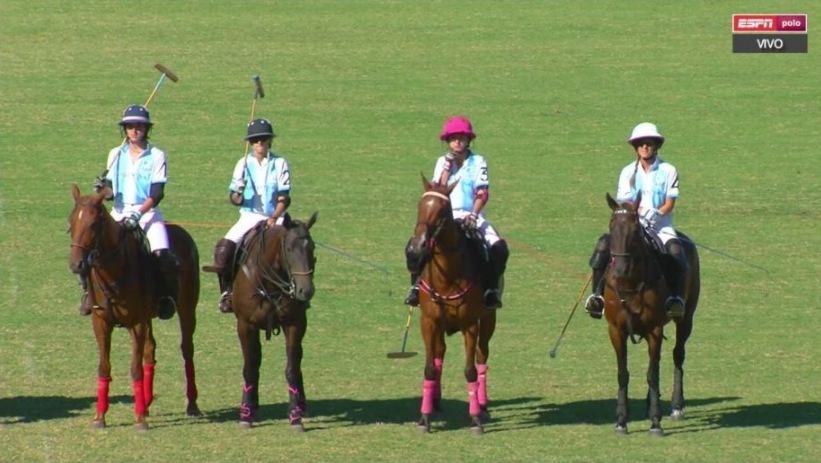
(758, 23)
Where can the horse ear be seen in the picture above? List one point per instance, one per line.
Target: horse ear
(425, 183)
(103, 194)
(311, 220)
(612, 202)
(638, 201)
(75, 191)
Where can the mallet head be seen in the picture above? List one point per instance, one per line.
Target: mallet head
(167, 72)
(260, 91)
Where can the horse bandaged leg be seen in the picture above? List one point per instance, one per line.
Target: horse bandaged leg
(148, 384)
(473, 399)
(438, 365)
(428, 393)
(482, 391)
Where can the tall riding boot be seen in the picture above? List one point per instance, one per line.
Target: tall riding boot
(85, 302)
(678, 280)
(223, 265)
(412, 262)
(493, 285)
(598, 263)
(169, 287)
(413, 293)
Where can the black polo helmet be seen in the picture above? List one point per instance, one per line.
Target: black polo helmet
(259, 128)
(136, 114)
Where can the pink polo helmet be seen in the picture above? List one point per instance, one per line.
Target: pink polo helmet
(457, 125)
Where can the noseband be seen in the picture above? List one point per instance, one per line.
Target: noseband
(432, 239)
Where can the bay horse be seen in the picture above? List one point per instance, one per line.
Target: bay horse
(121, 283)
(450, 300)
(634, 296)
(272, 292)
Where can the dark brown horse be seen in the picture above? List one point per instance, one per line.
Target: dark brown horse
(121, 283)
(450, 300)
(272, 291)
(634, 296)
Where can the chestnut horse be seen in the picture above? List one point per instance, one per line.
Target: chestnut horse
(272, 292)
(121, 283)
(450, 300)
(634, 296)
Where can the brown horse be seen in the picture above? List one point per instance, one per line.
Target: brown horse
(634, 296)
(450, 301)
(272, 292)
(121, 283)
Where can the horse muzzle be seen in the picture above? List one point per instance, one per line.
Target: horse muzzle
(621, 265)
(78, 262)
(302, 288)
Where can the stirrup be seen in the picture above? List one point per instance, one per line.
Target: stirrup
(225, 302)
(492, 301)
(674, 306)
(413, 297)
(594, 306)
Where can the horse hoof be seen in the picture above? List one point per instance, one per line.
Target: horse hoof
(476, 425)
(677, 415)
(245, 424)
(141, 426)
(620, 430)
(656, 432)
(98, 424)
(297, 427)
(192, 410)
(423, 425)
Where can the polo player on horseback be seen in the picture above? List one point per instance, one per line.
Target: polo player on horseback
(136, 176)
(468, 200)
(658, 182)
(260, 187)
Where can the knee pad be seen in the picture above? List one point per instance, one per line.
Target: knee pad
(411, 259)
(601, 255)
(676, 251)
(499, 254)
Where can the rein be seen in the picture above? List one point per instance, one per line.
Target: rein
(96, 262)
(426, 286)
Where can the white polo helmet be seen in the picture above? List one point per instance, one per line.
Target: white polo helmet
(646, 130)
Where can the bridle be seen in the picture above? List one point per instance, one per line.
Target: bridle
(631, 259)
(444, 216)
(268, 274)
(92, 253)
(442, 220)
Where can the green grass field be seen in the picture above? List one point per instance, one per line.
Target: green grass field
(357, 92)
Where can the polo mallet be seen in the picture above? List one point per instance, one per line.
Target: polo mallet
(258, 93)
(166, 73)
(553, 351)
(402, 354)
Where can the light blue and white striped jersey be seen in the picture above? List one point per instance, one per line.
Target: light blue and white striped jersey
(263, 182)
(471, 176)
(660, 183)
(131, 181)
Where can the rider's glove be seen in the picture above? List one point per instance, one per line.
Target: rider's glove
(133, 222)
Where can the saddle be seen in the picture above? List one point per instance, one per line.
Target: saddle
(659, 254)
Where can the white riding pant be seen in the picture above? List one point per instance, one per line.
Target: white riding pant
(247, 221)
(152, 223)
(490, 234)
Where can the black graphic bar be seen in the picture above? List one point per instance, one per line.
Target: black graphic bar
(769, 43)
